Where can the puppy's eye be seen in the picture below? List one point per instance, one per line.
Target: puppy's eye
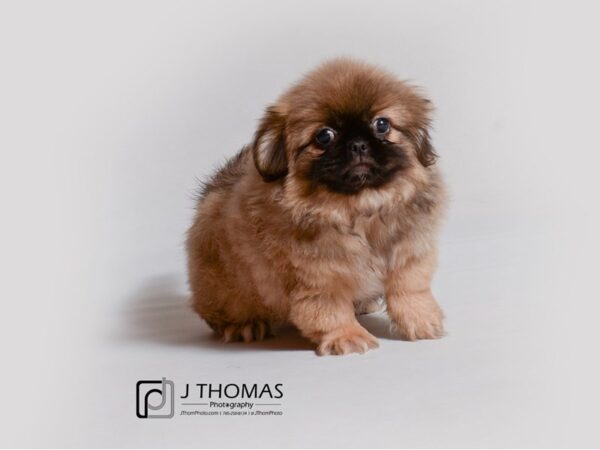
(325, 136)
(381, 125)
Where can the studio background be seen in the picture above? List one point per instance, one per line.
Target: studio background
(110, 111)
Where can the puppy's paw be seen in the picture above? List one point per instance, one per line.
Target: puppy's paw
(353, 339)
(247, 332)
(417, 317)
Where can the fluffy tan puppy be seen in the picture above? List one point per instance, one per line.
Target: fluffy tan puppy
(334, 205)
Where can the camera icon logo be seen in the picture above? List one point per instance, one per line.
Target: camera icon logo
(155, 399)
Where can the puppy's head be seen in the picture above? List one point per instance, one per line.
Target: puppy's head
(346, 128)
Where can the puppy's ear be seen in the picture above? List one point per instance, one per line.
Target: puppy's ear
(418, 132)
(425, 152)
(268, 149)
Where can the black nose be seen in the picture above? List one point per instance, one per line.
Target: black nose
(359, 147)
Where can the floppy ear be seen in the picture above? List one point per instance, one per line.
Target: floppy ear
(268, 149)
(425, 152)
(417, 130)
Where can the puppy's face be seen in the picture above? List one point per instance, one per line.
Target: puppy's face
(345, 128)
(353, 151)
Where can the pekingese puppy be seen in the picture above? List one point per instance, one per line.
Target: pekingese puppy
(335, 204)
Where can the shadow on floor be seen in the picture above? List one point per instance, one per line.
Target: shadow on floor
(160, 312)
(378, 325)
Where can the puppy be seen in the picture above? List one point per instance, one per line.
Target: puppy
(335, 204)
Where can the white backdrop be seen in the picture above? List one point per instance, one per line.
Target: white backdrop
(110, 110)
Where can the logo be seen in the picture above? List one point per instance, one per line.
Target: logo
(155, 399)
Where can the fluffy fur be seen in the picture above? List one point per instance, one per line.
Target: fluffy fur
(291, 230)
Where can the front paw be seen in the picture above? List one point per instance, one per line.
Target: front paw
(417, 317)
(353, 339)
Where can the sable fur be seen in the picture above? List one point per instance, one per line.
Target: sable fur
(274, 241)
